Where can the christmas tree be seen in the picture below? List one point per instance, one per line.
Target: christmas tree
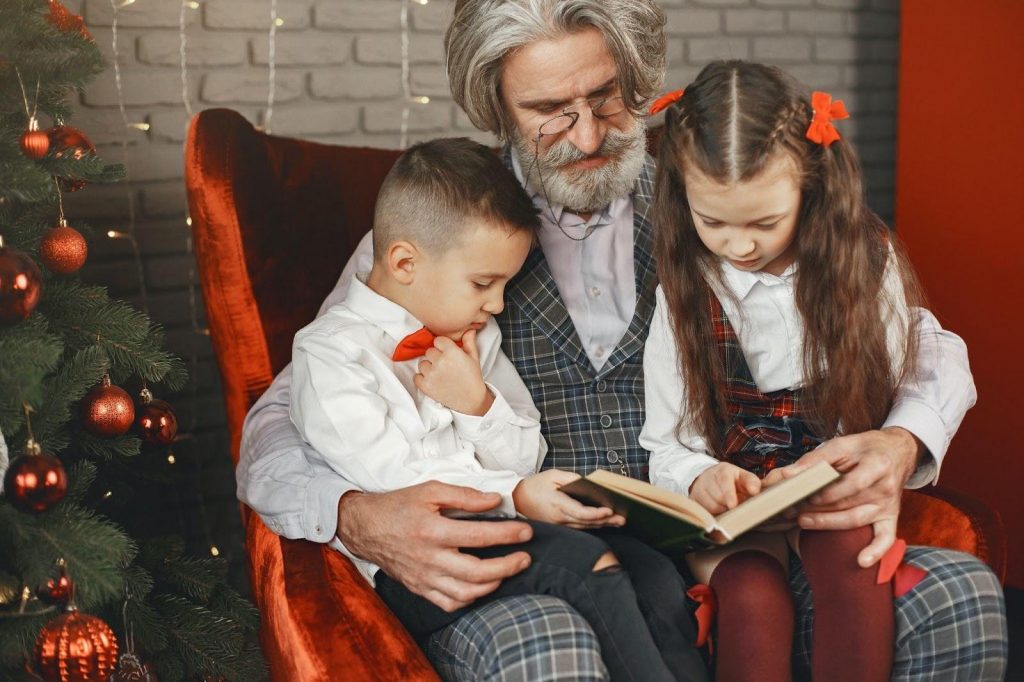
(83, 594)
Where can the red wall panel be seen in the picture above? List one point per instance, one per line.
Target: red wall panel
(960, 209)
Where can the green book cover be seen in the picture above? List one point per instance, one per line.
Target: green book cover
(676, 524)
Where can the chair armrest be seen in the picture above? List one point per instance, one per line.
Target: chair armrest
(321, 620)
(940, 517)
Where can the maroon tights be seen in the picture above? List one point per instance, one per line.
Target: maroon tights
(853, 617)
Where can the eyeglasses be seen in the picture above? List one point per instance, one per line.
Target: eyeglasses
(600, 108)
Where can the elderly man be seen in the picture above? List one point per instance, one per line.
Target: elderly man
(563, 83)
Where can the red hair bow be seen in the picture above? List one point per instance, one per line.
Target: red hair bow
(665, 101)
(821, 129)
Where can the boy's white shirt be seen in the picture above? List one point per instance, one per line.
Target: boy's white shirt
(362, 412)
(770, 332)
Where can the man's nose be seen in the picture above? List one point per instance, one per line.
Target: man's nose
(588, 133)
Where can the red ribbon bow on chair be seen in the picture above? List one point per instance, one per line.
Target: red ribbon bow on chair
(821, 129)
(665, 101)
(415, 345)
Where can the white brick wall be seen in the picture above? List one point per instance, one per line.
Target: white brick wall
(339, 81)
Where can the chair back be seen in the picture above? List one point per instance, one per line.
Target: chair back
(274, 221)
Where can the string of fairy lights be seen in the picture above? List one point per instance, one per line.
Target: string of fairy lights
(408, 97)
(129, 233)
(409, 100)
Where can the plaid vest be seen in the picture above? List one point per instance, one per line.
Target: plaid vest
(764, 430)
(591, 419)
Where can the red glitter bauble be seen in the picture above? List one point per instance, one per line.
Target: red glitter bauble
(63, 19)
(76, 647)
(34, 483)
(63, 249)
(68, 142)
(107, 410)
(56, 591)
(157, 422)
(21, 285)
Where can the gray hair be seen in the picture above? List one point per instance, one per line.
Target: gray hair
(482, 32)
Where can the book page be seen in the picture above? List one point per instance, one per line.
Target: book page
(770, 501)
(657, 496)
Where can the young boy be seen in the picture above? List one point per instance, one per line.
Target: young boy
(405, 381)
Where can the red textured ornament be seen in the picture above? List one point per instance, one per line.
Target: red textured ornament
(34, 142)
(63, 249)
(107, 410)
(21, 285)
(68, 142)
(61, 17)
(157, 421)
(56, 591)
(35, 482)
(76, 647)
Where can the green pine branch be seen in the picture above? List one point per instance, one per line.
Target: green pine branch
(184, 617)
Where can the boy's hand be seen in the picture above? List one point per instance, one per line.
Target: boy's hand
(538, 497)
(451, 376)
(724, 486)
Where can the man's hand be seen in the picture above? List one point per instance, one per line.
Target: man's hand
(451, 376)
(724, 486)
(538, 497)
(405, 534)
(875, 467)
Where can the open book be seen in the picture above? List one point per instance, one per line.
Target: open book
(674, 523)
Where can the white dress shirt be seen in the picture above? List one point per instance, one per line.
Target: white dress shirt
(762, 310)
(595, 276)
(296, 493)
(362, 411)
(290, 485)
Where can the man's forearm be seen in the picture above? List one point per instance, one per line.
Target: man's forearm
(908, 450)
(346, 528)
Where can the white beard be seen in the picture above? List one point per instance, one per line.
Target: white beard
(590, 189)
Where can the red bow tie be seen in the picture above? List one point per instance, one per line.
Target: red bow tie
(415, 345)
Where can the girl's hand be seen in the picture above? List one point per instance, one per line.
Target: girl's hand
(538, 497)
(451, 376)
(724, 486)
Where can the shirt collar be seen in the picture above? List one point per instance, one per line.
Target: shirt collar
(396, 321)
(742, 282)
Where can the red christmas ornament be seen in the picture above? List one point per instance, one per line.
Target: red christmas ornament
(34, 482)
(34, 142)
(56, 592)
(63, 249)
(70, 143)
(76, 647)
(61, 17)
(20, 285)
(107, 410)
(157, 421)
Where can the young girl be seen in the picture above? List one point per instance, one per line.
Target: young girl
(782, 321)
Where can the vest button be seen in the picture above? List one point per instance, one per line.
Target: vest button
(602, 386)
(606, 421)
(612, 456)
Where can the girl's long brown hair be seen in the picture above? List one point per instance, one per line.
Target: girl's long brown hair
(732, 121)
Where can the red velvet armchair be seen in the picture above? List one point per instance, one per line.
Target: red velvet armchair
(274, 220)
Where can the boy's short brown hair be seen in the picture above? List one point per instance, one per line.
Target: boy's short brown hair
(435, 187)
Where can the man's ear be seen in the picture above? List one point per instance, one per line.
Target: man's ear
(402, 257)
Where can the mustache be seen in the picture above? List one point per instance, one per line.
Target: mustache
(564, 153)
